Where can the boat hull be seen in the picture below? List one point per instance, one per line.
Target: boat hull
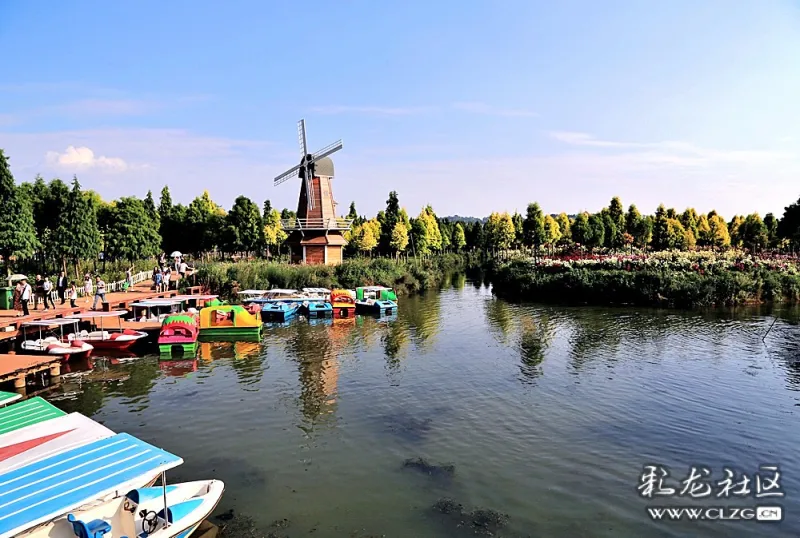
(280, 314)
(189, 505)
(169, 348)
(377, 307)
(231, 334)
(317, 309)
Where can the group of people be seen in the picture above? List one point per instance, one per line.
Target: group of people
(162, 273)
(41, 292)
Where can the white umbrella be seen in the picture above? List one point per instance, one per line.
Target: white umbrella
(176, 254)
(14, 278)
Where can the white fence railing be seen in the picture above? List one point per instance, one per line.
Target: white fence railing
(111, 287)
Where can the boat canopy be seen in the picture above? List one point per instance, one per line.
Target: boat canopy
(252, 292)
(196, 297)
(51, 487)
(374, 288)
(156, 302)
(316, 290)
(279, 291)
(90, 315)
(44, 439)
(9, 397)
(26, 413)
(57, 322)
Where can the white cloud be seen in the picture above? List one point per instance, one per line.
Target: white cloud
(368, 110)
(82, 157)
(672, 152)
(489, 110)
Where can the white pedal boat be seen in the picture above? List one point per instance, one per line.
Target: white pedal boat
(140, 514)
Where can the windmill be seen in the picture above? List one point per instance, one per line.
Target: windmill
(315, 236)
(307, 160)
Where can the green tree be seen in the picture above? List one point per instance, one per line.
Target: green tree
(519, 230)
(274, 235)
(17, 229)
(500, 231)
(735, 230)
(133, 234)
(661, 229)
(632, 218)
(204, 220)
(581, 231)
(564, 226)
(166, 220)
(643, 231)
(789, 225)
(534, 234)
(689, 220)
(771, 224)
(753, 232)
(399, 237)
(352, 214)
(597, 225)
(388, 220)
(612, 236)
(78, 233)
(617, 217)
(419, 237)
(245, 224)
(675, 237)
(717, 235)
(152, 212)
(552, 232)
(459, 238)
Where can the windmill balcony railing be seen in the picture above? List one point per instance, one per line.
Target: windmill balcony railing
(317, 224)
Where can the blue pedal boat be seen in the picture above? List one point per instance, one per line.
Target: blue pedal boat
(280, 311)
(376, 300)
(50, 488)
(317, 308)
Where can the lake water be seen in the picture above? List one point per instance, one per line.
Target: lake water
(547, 415)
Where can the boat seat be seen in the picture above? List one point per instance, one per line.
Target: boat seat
(84, 333)
(94, 529)
(180, 510)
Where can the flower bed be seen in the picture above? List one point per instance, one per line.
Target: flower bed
(664, 279)
(701, 262)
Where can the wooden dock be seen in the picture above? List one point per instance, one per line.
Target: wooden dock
(10, 321)
(16, 368)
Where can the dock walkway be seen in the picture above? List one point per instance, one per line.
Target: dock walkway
(10, 322)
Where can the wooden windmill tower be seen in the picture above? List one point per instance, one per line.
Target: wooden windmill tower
(316, 235)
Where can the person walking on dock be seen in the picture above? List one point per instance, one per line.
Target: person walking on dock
(61, 286)
(72, 293)
(47, 286)
(38, 296)
(99, 293)
(25, 296)
(18, 298)
(128, 279)
(87, 288)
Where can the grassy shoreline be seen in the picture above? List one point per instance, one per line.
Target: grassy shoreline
(679, 281)
(406, 277)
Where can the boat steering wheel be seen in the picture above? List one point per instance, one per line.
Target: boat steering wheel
(149, 521)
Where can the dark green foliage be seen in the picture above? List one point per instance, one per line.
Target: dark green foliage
(78, 233)
(789, 225)
(245, 226)
(133, 234)
(405, 277)
(150, 208)
(17, 229)
(650, 287)
(597, 225)
(533, 231)
(388, 219)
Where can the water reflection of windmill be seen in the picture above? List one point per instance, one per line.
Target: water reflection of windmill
(316, 235)
(313, 349)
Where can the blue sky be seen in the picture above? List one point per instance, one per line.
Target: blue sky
(469, 106)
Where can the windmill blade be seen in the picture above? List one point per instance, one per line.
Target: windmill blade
(287, 175)
(301, 134)
(324, 152)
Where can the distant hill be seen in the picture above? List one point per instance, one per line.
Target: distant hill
(468, 220)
